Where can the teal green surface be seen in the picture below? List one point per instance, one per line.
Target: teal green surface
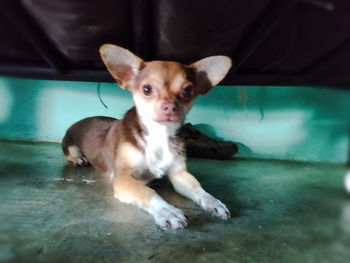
(281, 212)
(295, 123)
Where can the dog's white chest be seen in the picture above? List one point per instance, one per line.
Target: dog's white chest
(159, 153)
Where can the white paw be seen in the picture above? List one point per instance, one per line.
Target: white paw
(167, 216)
(212, 205)
(82, 161)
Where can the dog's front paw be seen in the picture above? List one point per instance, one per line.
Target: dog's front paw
(212, 205)
(168, 216)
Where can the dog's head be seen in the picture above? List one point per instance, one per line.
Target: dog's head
(163, 91)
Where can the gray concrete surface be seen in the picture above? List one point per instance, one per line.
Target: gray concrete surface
(282, 212)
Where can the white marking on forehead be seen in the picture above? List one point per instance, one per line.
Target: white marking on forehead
(178, 81)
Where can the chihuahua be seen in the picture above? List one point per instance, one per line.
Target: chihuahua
(145, 145)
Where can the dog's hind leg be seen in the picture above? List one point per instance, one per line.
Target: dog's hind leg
(73, 152)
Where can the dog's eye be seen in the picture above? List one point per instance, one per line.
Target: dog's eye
(187, 91)
(147, 89)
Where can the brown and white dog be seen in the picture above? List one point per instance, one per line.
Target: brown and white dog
(144, 145)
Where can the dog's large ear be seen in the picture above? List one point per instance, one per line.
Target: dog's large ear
(210, 71)
(123, 65)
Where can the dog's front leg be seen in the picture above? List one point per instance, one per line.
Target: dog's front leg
(185, 184)
(128, 190)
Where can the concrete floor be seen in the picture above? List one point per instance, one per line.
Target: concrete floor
(282, 212)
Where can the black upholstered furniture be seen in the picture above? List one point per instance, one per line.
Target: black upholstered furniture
(272, 42)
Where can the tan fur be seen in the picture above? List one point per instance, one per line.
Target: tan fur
(184, 183)
(128, 190)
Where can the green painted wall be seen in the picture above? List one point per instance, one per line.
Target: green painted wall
(295, 123)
